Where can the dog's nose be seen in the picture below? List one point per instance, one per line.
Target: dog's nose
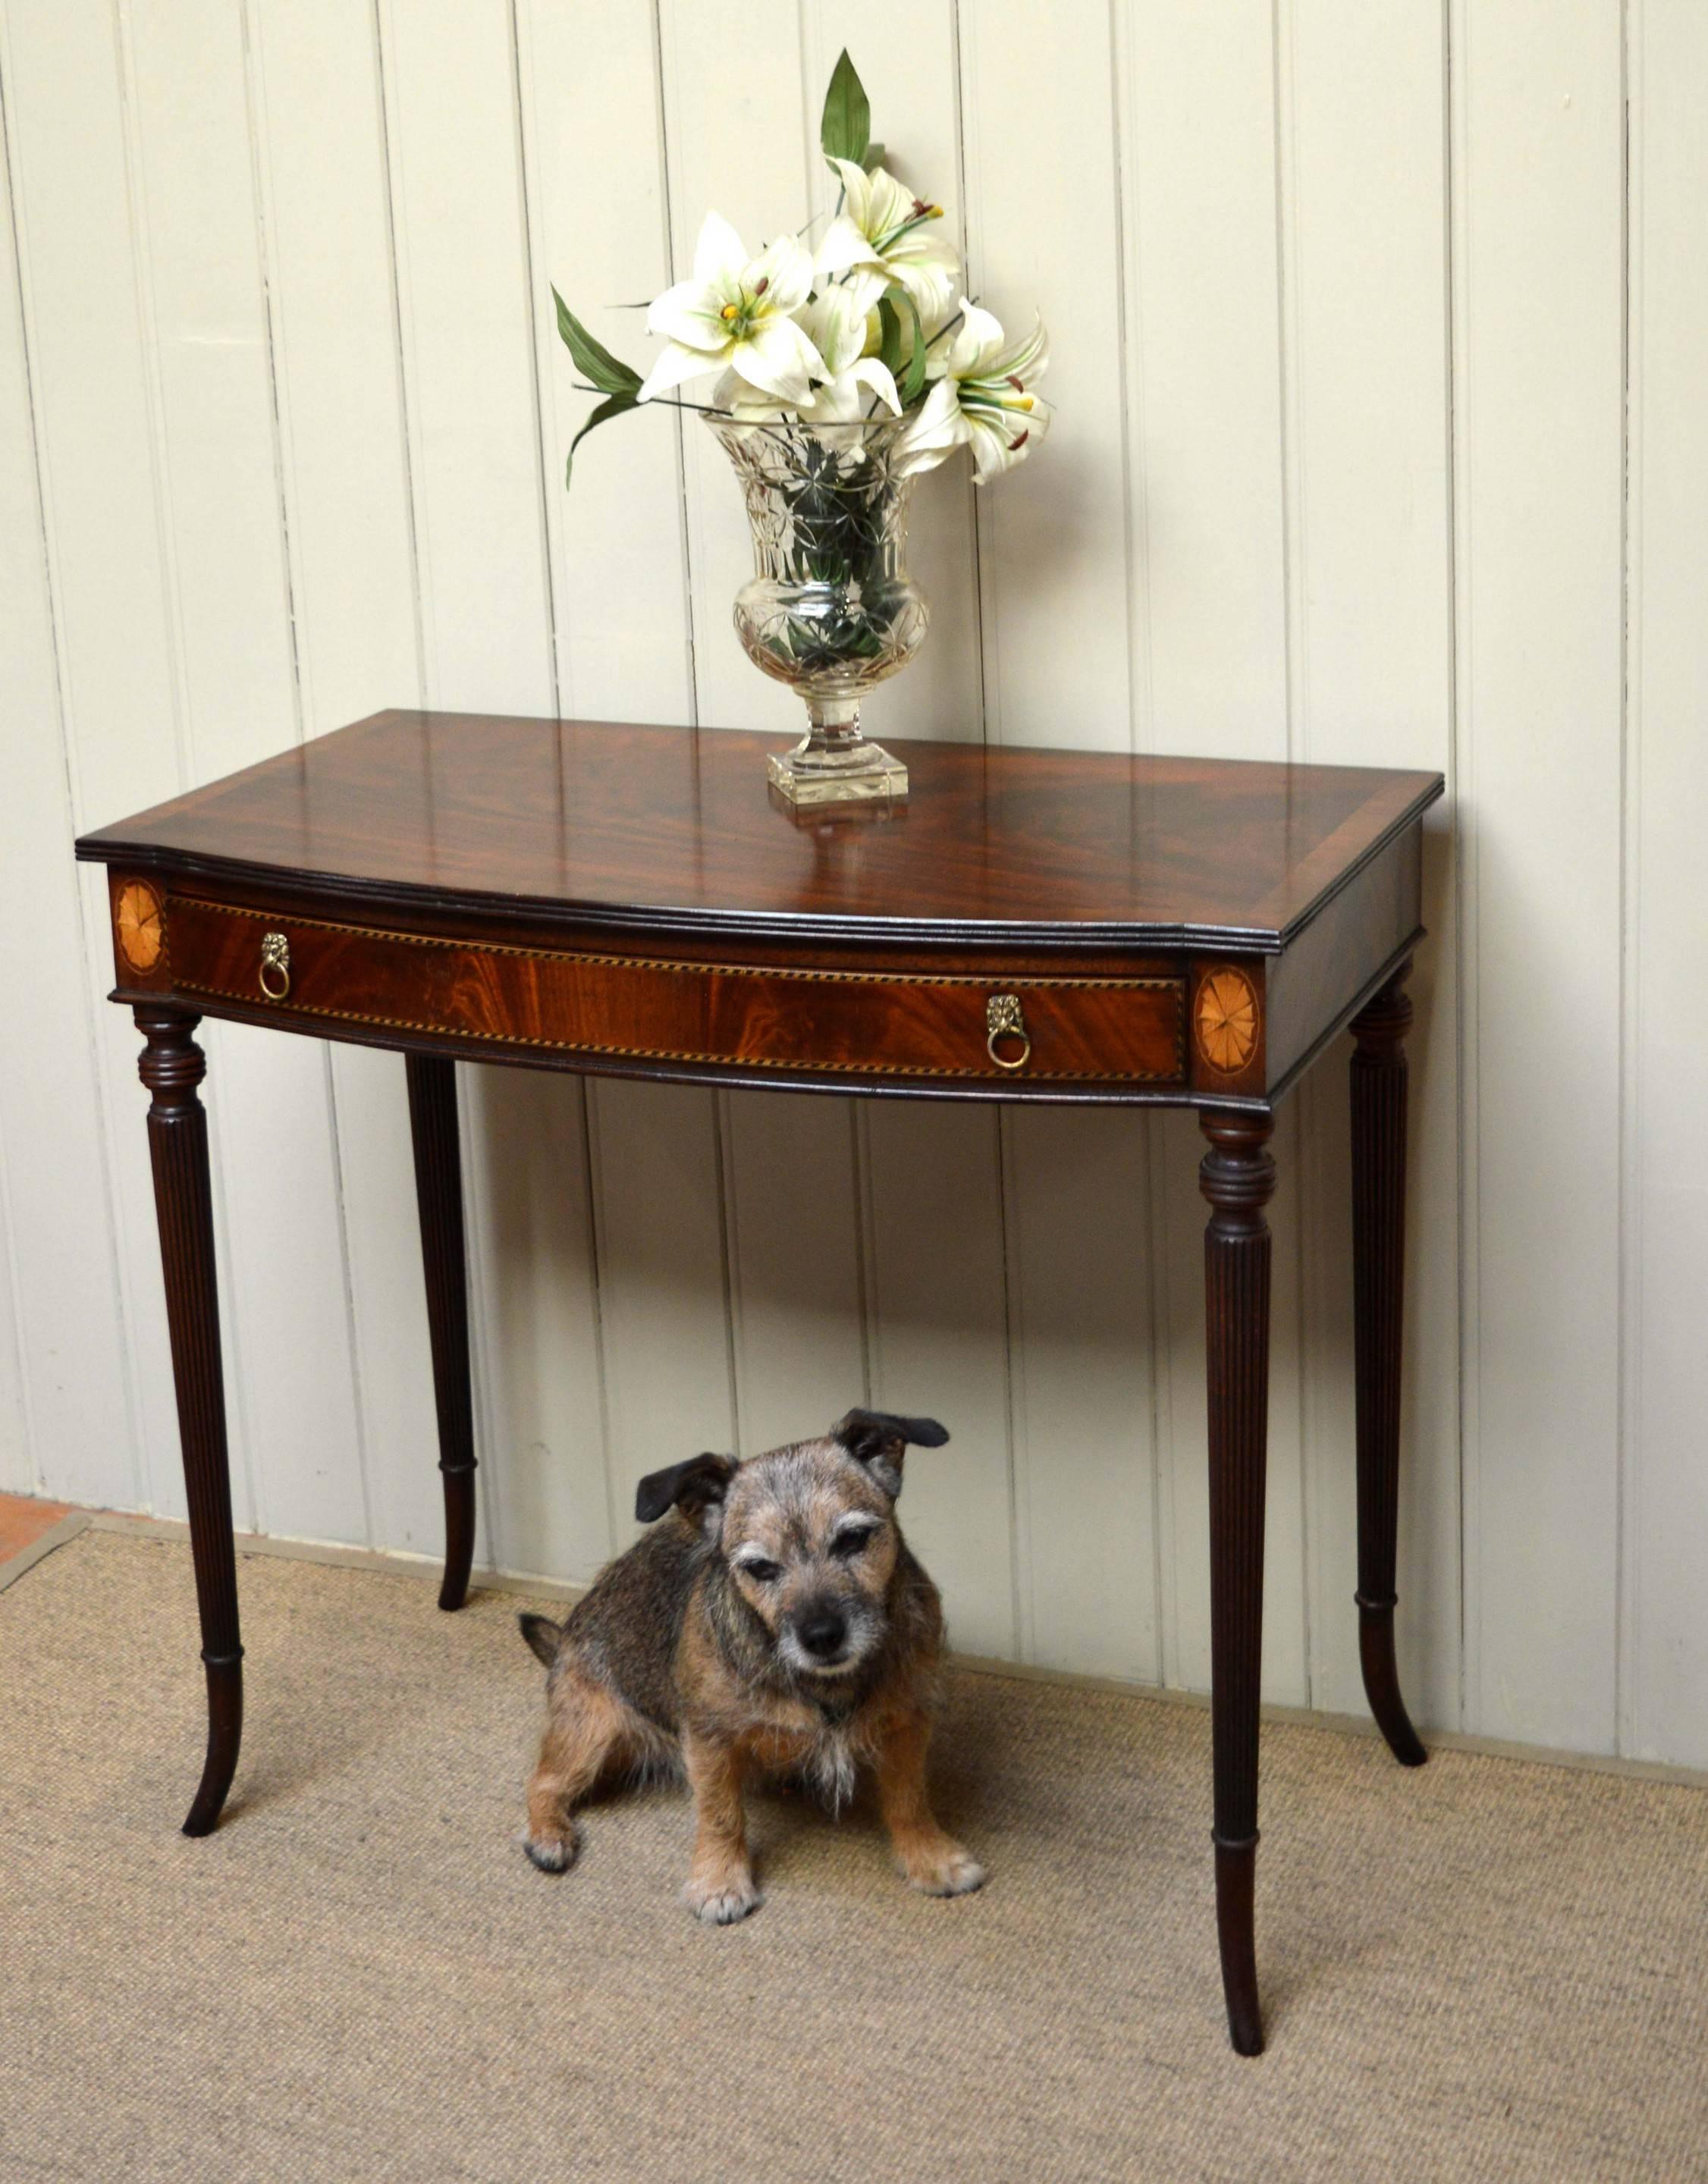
(821, 1631)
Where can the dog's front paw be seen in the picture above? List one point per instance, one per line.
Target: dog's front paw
(551, 1853)
(946, 1870)
(719, 1899)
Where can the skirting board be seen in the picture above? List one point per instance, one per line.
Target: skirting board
(427, 1568)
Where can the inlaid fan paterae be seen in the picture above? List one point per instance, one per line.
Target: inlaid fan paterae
(138, 920)
(1227, 1021)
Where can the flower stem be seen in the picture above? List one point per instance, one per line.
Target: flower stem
(659, 401)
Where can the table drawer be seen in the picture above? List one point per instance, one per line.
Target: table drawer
(754, 1017)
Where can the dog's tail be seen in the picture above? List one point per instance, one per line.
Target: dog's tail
(542, 1634)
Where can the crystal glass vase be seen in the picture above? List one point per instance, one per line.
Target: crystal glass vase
(830, 609)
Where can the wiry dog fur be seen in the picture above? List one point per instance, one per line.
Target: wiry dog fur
(773, 1622)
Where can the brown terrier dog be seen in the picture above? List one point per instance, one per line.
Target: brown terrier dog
(775, 1623)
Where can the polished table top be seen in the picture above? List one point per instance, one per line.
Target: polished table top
(661, 827)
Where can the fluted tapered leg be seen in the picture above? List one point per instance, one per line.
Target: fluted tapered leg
(172, 1066)
(1237, 1176)
(438, 1197)
(1378, 1250)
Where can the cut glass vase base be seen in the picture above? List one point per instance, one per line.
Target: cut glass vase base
(862, 774)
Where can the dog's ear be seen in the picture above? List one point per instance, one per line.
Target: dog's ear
(542, 1634)
(879, 1441)
(693, 1487)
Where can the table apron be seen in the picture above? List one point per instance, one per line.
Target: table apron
(868, 1024)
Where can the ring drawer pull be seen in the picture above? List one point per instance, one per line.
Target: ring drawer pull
(275, 966)
(1003, 1020)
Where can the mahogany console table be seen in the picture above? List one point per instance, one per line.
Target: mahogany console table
(1030, 925)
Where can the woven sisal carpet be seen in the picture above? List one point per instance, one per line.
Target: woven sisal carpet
(1485, 1969)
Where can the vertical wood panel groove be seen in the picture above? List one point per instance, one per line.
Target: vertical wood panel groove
(679, 421)
(1124, 370)
(811, 91)
(396, 238)
(1016, 1418)
(1142, 697)
(865, 1238)
(559, 693)
(619, 1514)
(142, 280)
(1164, 1574)
(1289, 424)
(1294, 1139)
(1452, 323)
(859, 1213)
(1633, 1165)
(1150, 1234)
(383, 118)
(264, 264)
(589, 1157)
(363, 1469)
(1630, 850)
(983, 576)
(726, 1238)
(492, 1460)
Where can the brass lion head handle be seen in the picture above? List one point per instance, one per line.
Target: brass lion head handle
(275, 966)
(1003, 1020)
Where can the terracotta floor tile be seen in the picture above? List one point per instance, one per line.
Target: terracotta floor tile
(23, 1519)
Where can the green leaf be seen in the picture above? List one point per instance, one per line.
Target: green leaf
(871, 158)
(889, 332)
(593, 361)
(847, 128)
(617, 406)
(910, 340)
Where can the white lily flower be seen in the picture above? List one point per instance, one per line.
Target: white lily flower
(983, 399)
(883, 233)
(836, 323)
(745, 403)
(738, 311)
(838, 328)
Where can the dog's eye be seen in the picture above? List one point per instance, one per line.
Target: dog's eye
(761, 1571)
(846, 1544)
